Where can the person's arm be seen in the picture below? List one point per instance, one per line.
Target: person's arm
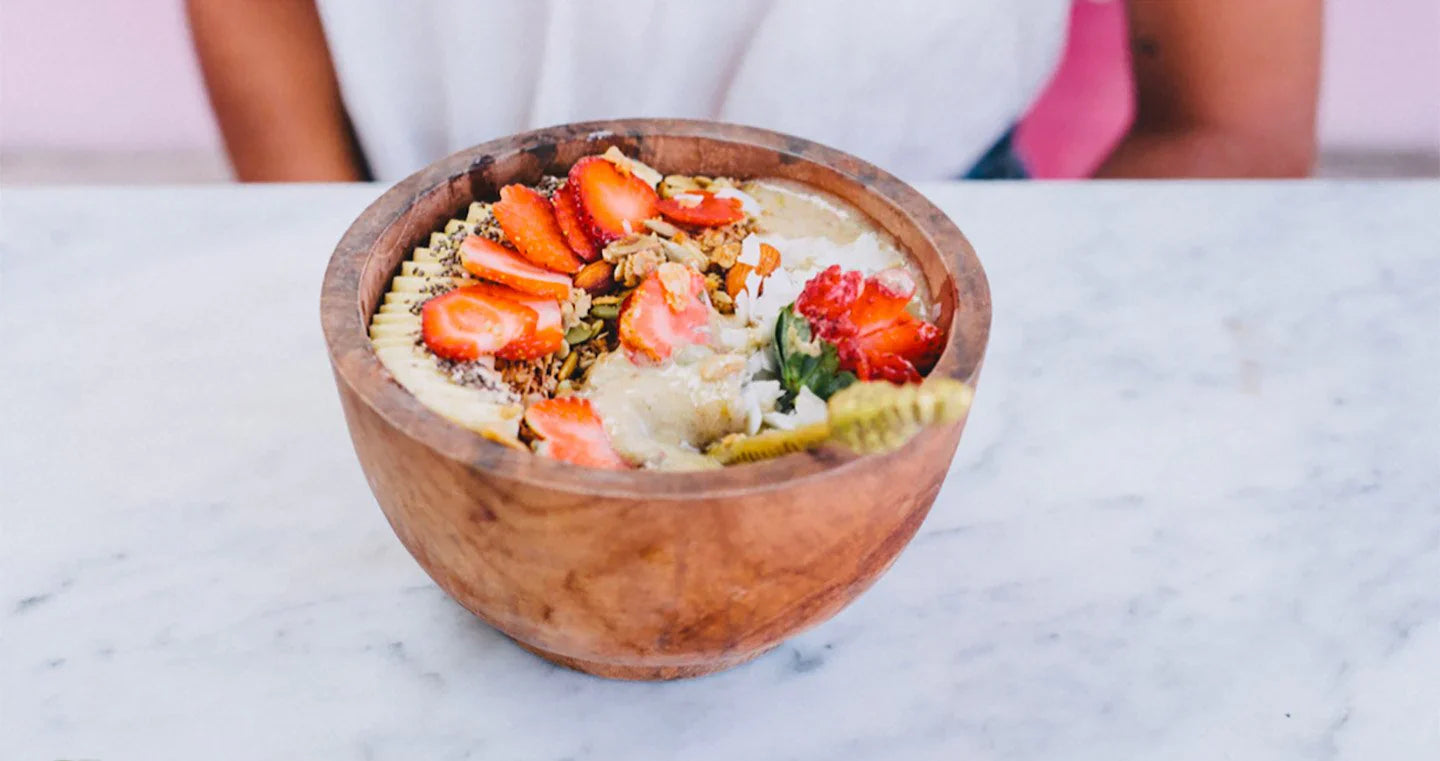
(273, 89)
(1224, 88)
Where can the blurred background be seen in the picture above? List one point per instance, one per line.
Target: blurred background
(109, 92)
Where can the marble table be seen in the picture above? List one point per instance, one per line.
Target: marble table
(1196, 514)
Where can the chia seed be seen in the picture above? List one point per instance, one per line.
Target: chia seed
(477, 375)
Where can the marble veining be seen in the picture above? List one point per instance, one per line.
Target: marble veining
(1196, 513)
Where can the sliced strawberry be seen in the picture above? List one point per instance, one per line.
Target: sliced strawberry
(528, 220)
(573, 432)
(547, 337)
(916, 341)
(612, 203)
(468, 323)
(667, 311)
(567, 214)
(487, 259)
(702, 209)
(866, 319)
(826, 301)
(883, 366)
(883, 299)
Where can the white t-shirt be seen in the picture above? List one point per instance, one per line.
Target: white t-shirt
(919, 87)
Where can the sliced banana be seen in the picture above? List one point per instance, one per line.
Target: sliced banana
(395, 334)
(394, 330)
(477, 213)
(428, 270)
(394, 318)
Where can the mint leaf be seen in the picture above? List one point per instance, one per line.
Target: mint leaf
(805, 360)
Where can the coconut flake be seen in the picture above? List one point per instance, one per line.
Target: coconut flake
(753, 416)
(762, 361)
(742, 307)
(733, 339)
(780, 291)
(759, 398)
(767, 391)
(779, 420)
(750, 251)
(809, 408)
(748, 204)
(617, 157)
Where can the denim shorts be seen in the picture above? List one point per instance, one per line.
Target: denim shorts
(1001, 162)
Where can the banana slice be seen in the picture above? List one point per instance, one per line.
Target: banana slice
(478, 213)
(869, 418)
(394, 318)
(428, 270)
(395, 335)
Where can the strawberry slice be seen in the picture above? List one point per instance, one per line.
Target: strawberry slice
(468, 323)
(567, 213)
(529, 223)
(916, 341)
(883, 299)
(702, 209)
(667, 311)
(487, 259)
(866, 319)
(547, 335)
(884, 366)
(573, 432)
(612, 203)
(826, 301)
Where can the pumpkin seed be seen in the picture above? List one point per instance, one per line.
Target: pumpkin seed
(569, 367)
(579, 334)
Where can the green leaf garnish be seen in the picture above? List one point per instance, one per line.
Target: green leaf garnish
(805, 360)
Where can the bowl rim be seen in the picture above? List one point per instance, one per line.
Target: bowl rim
(358, 367)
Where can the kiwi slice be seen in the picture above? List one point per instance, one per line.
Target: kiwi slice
(878, 417)
(869, 418)
(774, 443)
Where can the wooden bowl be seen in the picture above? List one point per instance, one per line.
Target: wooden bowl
(640, 575)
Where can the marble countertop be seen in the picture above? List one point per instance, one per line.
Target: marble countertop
(1196, 512)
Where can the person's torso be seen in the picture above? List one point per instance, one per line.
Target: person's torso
(919, 87)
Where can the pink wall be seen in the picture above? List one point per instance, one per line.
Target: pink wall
(103, 75)
(120, 76)
(1381, 85)
(1380, 90)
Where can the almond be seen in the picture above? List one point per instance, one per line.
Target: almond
(735, 278)
(769, 260)
(596, 277)
(675, 281)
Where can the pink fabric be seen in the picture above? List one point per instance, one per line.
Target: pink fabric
(1088, 104)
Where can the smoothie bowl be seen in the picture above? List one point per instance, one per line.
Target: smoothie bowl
(651, 396)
